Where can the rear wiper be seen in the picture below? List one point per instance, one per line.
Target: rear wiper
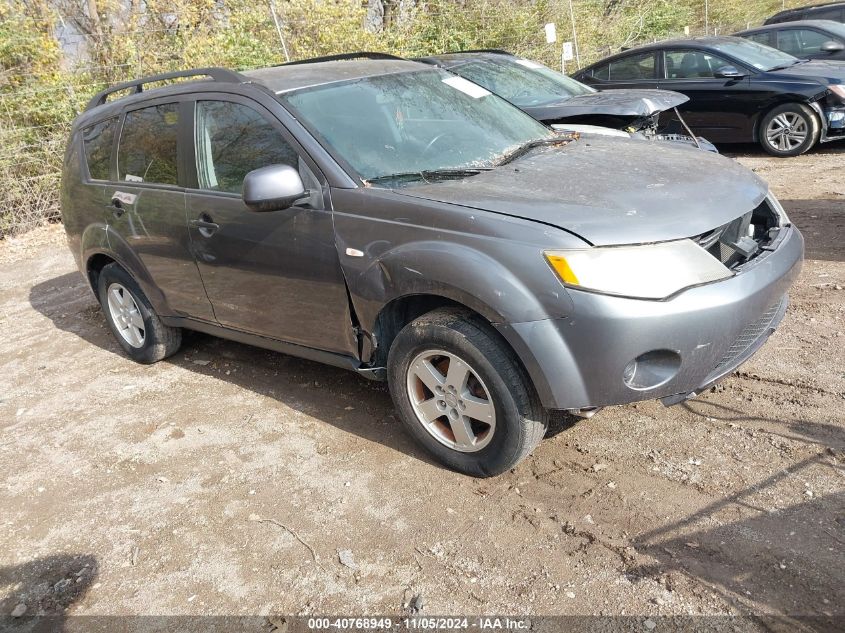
(537, 142)
(430, 175)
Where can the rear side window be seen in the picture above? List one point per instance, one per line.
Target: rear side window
(97, 141)
(147, 151)
(628, 68)
(232, 140)
(764, 37)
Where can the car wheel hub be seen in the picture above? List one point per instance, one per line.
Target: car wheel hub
(787, 131)
(450, 401)
(125, 314)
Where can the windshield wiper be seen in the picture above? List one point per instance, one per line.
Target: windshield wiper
(431, 175)
(789, 65)
(527, 147)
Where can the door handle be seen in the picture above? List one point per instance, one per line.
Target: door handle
(116, 207)
(205, 225)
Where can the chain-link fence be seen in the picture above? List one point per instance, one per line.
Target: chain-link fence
(54, 58)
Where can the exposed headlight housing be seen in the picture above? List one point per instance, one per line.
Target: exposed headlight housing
(649, 271)
(775, 204)
(838, 90)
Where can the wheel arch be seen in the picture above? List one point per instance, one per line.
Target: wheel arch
(403, 310)
(102, 246)
(784, 100)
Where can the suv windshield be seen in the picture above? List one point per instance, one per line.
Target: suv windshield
(759, 56)
(416, 122)
(521, 81)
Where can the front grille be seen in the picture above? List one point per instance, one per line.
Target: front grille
(752, 332)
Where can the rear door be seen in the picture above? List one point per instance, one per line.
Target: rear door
(721, 110)
(147, 202)
(638, 70)
(276, 274)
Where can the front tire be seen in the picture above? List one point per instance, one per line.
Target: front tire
(463, 395)
(132, 319)
(789, 130)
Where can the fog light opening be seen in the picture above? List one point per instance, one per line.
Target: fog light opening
(651, 370)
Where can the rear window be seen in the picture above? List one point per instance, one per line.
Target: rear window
(629, 68)
(147, 151)
(97, 141)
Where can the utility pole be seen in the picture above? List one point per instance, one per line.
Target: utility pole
(279, 29)
(574, 35)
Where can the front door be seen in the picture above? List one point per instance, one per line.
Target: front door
(276, 274)
(721, 110)
(147, 205)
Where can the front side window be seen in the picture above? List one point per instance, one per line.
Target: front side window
(147, 151)
(97, 141)
(412, 122)
(633, 67)
(521, 81)
(801, 42)
(689, 64)
(232, 140)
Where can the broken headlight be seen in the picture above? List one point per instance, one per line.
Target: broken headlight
(649, 271)
(838, 90)
(776, 206)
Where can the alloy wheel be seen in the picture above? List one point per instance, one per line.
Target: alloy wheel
(787, 131)
(125, 315)
(451, 401)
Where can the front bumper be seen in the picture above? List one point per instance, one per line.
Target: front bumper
(579, 362)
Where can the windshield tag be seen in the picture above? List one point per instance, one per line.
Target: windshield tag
(467, 87)
(528, 63)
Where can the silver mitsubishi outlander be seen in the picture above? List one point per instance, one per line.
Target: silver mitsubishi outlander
(402, 222)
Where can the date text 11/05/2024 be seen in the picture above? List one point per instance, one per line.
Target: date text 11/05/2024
(421, 623)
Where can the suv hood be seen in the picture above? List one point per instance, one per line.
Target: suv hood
(634, 103)
(610, 191)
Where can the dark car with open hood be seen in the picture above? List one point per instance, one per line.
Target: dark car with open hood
(739, 91)
(563, 103)
(402, 222)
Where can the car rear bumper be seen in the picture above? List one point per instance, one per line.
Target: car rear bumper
(685, 344)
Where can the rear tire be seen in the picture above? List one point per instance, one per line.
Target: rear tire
(789, 130)
(462, 394)
(132, 320)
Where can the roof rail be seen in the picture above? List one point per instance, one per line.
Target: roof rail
(334, 58)
(216, 74)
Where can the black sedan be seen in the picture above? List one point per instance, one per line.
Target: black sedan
(809, 39)
(740, 91)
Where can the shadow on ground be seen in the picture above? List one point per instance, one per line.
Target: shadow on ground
(789, 560)
(319, 391)
(47, 587)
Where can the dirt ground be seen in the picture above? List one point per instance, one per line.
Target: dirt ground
(229, 480)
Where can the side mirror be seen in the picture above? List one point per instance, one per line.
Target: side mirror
(832, 47)
(272, 188)
(729, 72)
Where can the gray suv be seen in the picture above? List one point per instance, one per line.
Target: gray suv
(402, 222)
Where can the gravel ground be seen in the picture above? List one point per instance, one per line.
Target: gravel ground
(230, 480)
